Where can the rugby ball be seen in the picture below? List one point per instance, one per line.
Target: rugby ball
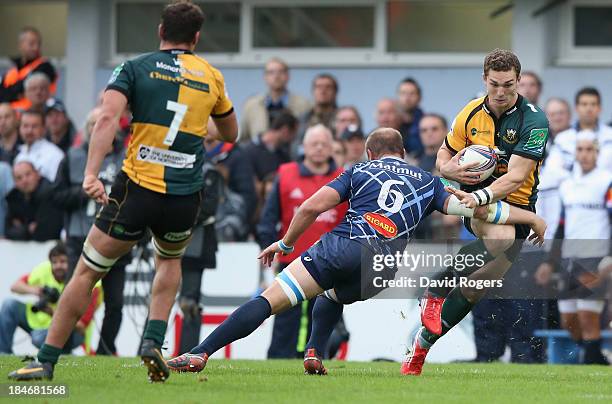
(484, 156)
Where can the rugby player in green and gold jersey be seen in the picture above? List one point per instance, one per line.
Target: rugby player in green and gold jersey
(518, 131)
(171, 93)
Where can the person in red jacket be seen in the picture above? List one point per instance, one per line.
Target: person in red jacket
(296, 182)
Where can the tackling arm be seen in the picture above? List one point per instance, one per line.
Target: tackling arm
(323, 200)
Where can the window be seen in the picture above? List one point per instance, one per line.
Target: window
(15, 16)
(593, 26)
(220, 32)
(313, 27)
(447, 26)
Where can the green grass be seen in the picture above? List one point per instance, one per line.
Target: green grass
(106, 380)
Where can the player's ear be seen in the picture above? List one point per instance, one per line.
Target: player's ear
(196, 38)
(370, 155)
(160, 31)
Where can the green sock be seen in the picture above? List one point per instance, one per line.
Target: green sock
(49, 354)
(454, 309)
(156, 330)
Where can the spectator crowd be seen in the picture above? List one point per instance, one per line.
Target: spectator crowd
(285, 139)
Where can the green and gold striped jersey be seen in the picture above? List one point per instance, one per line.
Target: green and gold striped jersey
(172, 94)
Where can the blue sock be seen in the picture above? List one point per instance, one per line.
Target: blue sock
(325, 315)
(242, 322)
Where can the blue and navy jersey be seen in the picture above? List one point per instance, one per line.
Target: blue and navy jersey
(387, 199)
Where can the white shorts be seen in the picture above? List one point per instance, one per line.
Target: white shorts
(574, 305)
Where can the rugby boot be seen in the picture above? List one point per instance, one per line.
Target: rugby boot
(313, 364)
(188, 362)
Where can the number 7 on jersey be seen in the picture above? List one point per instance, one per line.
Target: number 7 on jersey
(179, 113)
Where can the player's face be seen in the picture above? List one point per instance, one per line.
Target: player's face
(8, 120)
(31, 128)
(501, 88)
(588, 109)
(344, 118)
(586, 154)
(276, 76)
(558, 115)
(26, 178)
(408, 96)
(528, 88)
(59, 266)
(432, 132)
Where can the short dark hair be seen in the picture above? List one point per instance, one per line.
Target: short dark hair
(535, 76)
(34, 112)
(501, 60)
(326, 76)
(588, 91)
(181, 21)
(439, 117)
(410, 80)
(283, 119)
(385, 140)
(57, 250)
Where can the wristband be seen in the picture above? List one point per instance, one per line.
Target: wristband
(284, 247)
(483, 196)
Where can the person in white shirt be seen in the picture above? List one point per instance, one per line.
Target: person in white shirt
(586, 199)
(45, 156)
(588, 109)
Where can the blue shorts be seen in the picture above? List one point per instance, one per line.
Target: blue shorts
(341, 264)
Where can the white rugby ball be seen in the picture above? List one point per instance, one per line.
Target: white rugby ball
(484, 156)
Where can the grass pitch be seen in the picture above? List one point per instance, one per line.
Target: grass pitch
(123, 380)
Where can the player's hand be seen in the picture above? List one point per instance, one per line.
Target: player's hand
(539, 228)
(267, 255)
(465, 198)
(94, 188)
(452, 170)
(543, 274)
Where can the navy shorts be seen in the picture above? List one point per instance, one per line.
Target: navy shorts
(342, 264)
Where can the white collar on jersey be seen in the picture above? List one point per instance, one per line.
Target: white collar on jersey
(390, 157)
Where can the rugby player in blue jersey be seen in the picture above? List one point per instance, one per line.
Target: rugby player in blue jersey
(387, 200)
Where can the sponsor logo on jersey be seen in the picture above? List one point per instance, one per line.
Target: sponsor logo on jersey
(178, 68)
(476, 132)
(394, 166)
(168, 158)
(537, 139)
(382, 224)
(177, 236)
(510, 136)
(115, 74)
(181, 80)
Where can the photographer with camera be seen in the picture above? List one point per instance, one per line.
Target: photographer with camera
(46, 281)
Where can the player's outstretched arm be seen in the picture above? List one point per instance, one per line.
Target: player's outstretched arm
(323, 200)
(101, 142)
(498, 213)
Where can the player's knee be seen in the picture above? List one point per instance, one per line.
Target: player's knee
(291, 288)
(95, 260)
(168, 252)
(499, 239)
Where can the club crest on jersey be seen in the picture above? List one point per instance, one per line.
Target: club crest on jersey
(382, 224)
(510, 136)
